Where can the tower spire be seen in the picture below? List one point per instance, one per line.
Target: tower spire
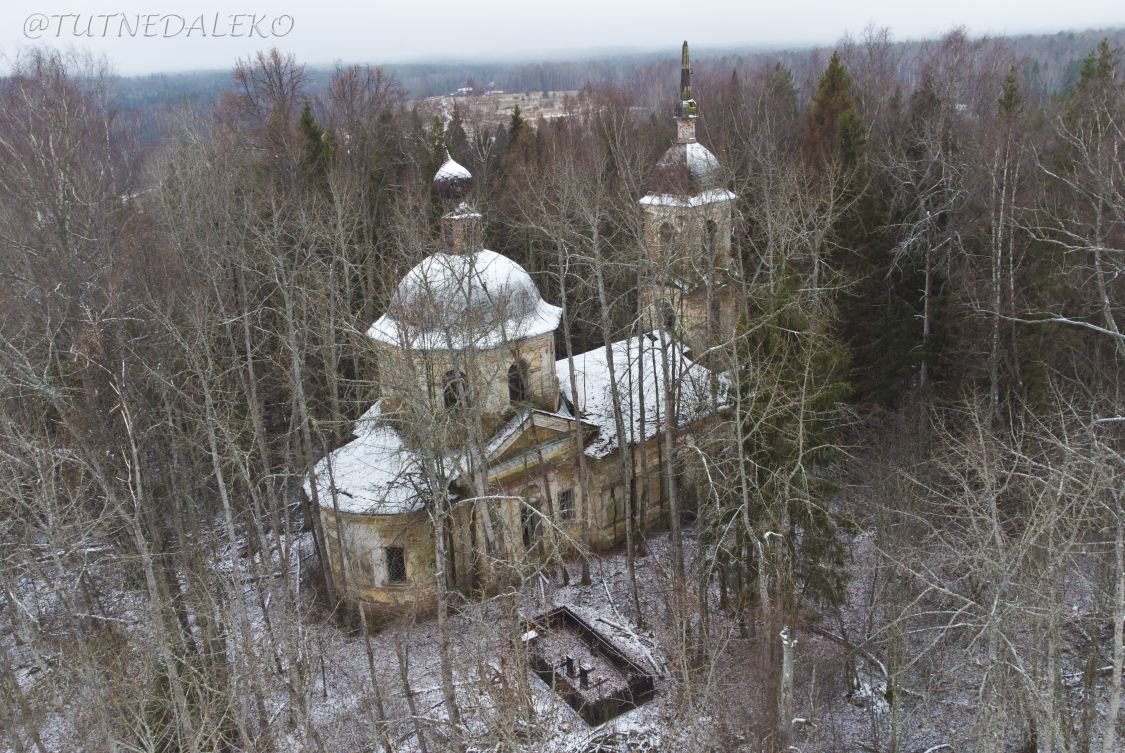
(685, 74)
(686, 110)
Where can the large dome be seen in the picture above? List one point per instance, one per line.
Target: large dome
(686, 170)
(453, 301)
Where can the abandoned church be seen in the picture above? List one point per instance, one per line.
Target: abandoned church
(489, 445)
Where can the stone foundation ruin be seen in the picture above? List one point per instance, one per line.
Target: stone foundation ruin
(577, 661)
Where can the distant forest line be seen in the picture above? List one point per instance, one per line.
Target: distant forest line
(1052, 64)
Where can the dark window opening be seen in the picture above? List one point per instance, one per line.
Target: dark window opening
(665, 235)
(455, 392)
(529, 518)
(396, 564)
(566, 504)
(517, 382)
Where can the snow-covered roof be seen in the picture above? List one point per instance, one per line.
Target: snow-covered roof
(508, 430)
(640, 389)
(374, 474)
(451, 301)
(700, 160)
(686, 169)
(712, 196)
(451, 169)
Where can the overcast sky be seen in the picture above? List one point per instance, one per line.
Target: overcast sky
(168, 35)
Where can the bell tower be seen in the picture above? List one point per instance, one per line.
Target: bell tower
(687, 234)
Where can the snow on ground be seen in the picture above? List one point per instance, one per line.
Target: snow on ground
(938, 705)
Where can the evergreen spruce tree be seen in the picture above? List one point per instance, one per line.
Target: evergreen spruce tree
(779, 104)
(833, 126)
(516, 124)
(791, 386)
(316, 144)
(1099, 68)
(457, 141)
(875, 319)
(1010, 100)
(521, 150)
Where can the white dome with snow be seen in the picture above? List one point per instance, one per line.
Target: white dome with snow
(451, 301)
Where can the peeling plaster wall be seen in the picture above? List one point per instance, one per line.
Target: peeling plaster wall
(409, 377)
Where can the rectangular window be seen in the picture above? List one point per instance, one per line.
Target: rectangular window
(396, 564)
(566, 504)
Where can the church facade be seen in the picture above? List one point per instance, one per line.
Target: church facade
(488, 451)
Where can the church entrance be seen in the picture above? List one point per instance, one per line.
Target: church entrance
(531, 520)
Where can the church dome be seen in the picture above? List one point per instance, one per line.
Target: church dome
(453, 301)
(686, 170)
(452, 180)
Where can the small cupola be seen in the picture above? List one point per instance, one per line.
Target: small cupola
(452, 180)
(461, 224)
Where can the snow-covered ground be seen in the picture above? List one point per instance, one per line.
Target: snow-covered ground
(722, 703)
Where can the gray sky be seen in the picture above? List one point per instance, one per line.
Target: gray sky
(183, 34)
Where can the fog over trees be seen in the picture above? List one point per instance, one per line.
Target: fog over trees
(902, 531)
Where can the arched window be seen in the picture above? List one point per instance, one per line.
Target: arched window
(517, 381)
(456, 390)
(665, 235)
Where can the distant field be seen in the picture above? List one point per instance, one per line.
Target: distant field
(494, 109)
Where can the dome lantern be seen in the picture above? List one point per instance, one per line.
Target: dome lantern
(461, 231)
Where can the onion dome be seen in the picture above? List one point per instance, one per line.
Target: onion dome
(452, 180)
(453, 300)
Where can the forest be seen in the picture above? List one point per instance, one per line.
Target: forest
(904, 532)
